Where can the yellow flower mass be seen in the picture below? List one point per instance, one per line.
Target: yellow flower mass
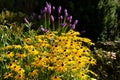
(50, 55)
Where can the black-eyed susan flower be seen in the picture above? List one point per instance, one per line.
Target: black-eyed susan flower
(55, 78)
(33, 52)
(19, 77)
(83, 76)
(17, 46)
(20, 71)
(28, 40)
(20, 55)
(28, 47)
(34, 73)
(60, 68)
(7, 75)
(9, 54)
(74, 68)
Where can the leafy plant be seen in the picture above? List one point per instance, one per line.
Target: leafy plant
(107, 64)
(7, 16)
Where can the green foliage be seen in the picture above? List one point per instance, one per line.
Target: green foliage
(108, 9)
(107, 66)
(7, 16)
(10, 34)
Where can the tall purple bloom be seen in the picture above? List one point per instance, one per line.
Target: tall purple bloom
(59, 9)
(72, 26)
(53, 8)
(52, 18)
(42, 28)
(61, 17)
(63, 25)
(44, 11)
(76, 21)
(66, 13)
(48, 7)
(69, 19)
(47, 4)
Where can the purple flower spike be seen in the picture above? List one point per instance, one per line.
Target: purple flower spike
(26, 21)
(72, 26)
(61, 17)
(44, 11)
(41, 28)
(48, 7)
(63, 25)
(49, 10)
(69, 19)
(66, 13)
(47, 4)
(59, 9)
(53, 8)
(76, 21)
(52, 18)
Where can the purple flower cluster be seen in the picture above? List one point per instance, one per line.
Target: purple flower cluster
(63, 19)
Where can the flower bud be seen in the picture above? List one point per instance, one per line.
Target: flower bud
(59, 9)
(72, 26)
(69, 19)
(76, 21)
(63, 25)
(48, 8)
(44, 11)
(53, 8)
(52, 18)
(41, 28)
(66, 13)
(61, 17)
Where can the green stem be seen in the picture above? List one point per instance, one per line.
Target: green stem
(45, 22)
